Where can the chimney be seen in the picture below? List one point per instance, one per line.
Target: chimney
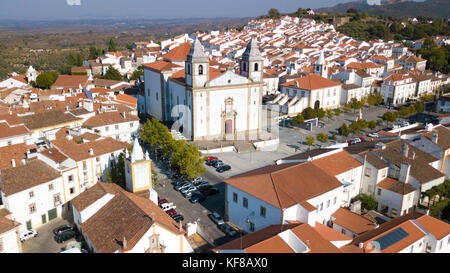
(13, 163)
(435, 138)
(24, 161)
(124, 114)
(361, 245)
(413, 155)
(404, 172)
(124, 243)
(405, 150)
(91, 151)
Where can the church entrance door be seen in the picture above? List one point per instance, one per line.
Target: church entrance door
(228, 126)
(317, 104)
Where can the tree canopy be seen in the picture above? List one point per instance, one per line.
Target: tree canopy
(274, 13)
(186, 156)
(113, 74)
(46, 80)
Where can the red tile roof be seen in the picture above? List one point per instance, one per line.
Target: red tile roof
(311, 82)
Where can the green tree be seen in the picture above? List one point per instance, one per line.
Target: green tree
(137, 75)
(116, 172)
(389, 117)
(46, 80)
(113, 74)
(347, 107)
(329, 113)
(368, 202)
(344, 130)
(322, 137)
(363, 124)
(189, 160)
(274, 13)
(372, 124)
(337, 112)
(355, 127)
(404, 111)
(94, 52)
(299, 119)
(309, 113)
(419, 107)
(309, 140)
(320, 113)
(112, 45)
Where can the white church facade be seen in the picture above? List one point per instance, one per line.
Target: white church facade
(212, 104)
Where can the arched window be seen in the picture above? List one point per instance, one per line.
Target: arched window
(256, 66)
(200, 69)
(189, 69)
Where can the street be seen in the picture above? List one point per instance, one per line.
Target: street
(44, 242)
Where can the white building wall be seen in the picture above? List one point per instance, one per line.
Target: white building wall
(238, 214)
(166, 238)
(217, 106)
(152, 84)
(123, 133)
(324, 211)
(85, 214)
(19, 203)
(10, 241)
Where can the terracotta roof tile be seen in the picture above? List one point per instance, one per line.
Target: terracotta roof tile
(352, 221)
(280, 186)
(311, 82)
(108, 118)
(20, 178)
(48, 119)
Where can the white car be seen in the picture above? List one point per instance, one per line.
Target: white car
(373, 135)
(27, 235)
(197, 179)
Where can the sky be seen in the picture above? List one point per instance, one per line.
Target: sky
(151, 9)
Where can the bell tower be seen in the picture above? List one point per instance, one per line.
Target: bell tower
(251, 65)
(320, 68)
(138, 171)
(197, 66)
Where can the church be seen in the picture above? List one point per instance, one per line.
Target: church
(211, 103)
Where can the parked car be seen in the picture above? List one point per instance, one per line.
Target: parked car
(28, 234)
(201, 184)
(162, 201)
(216, 218)
(186, 191)
(228, 230)
(209, 191)
(178, 218)
(168, 206)
(197, 179)
(65, 236)
(223, 168)
(373, 135)
(204, 187)
(181, 187)
(197, 197)
(210, 158)
(188, 194)
(217, 163)
(62, 229)
(212, 162)
(354, 141)
(171, 212)
(404, 124)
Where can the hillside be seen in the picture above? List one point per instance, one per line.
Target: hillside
(428, 8)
